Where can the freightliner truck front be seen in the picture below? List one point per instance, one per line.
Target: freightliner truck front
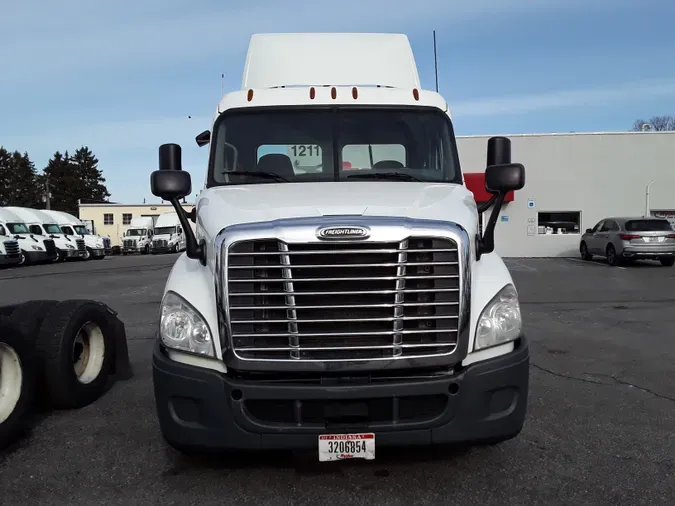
(337, 310)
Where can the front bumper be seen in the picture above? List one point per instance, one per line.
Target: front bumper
(97, 252)
(70, 253)
(202, 408)
(10, 259)
(36, 257)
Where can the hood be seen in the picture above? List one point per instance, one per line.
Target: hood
(92, 241)
(223, 206)
(164, 237)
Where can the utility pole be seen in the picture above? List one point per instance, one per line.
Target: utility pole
(47, 196)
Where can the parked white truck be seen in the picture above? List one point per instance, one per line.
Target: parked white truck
(33, 248)
(138, 237)
(10, 251)
(337, 310)
(73, 227)
(41, 224)
(168, 234)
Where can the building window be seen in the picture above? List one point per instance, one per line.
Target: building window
(559, 222)
(126, 219)
(108, 219)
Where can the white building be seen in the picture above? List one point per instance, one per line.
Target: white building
(572, 181)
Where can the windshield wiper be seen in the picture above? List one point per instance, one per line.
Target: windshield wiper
(256, 173)
(394, 176)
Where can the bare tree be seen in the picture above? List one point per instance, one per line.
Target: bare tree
(657, 123)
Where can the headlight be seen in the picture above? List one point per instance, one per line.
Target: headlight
(36, 248)
(70, 246)
(500, 321)
(181, 327)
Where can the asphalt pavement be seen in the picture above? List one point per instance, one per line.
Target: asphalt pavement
(600, 426)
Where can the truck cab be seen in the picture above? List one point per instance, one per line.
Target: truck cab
(348, 302)
(138, 237)
(89, 245)
(10, 251)
(42, 225)
(168, 234)
(33, 248)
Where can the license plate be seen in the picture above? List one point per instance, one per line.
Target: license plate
(651, 239)
(346, 446)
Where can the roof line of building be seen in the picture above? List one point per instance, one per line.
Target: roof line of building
(106, 204)
(553, 134)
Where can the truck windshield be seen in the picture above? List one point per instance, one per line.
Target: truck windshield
(81, 230)
(165, 230)
(136, 232)
(52, 228)
(340, 144)
(18, 228)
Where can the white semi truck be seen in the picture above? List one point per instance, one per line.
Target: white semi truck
(138, 237)
(168, 234)
(41, 224)
(337, 310)
(33, 249)
(10, 251)
(72, 226)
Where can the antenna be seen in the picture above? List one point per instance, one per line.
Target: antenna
(435, 62)
(222, 84)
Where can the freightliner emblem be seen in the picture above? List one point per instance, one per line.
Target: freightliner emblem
(334, 233)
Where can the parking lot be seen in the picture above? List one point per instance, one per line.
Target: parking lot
(600, 426)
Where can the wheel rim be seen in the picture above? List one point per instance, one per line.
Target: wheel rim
(11, 381)
(22, 260)
(87, 254)
(610, 255)
(88, 352)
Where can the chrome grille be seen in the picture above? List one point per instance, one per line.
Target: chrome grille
(129, 243)
(12, 248)
(343, 301)
(106, 243)
(80, 245)
(160, 243)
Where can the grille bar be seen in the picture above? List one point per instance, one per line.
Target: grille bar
(342, 301)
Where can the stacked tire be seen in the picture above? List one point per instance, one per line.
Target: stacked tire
(60, 353)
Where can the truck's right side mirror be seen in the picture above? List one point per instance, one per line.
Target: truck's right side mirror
(170, 181)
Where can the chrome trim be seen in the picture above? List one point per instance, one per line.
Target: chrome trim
(382, 229)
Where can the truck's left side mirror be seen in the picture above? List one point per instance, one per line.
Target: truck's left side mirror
(170, 181)
(504, 178)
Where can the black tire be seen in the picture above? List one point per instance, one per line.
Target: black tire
(15, 418)
(667, 262)
(59, 341)
(24, 259)
(585, 255)
(612, 259)
(8, 310)
(175, 248)
(30, 315)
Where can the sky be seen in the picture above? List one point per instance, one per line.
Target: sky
(124, 77)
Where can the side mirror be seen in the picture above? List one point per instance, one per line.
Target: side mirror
(203, 138)
(504, 178)
(589, 230)
(170, 181)
(501, 177)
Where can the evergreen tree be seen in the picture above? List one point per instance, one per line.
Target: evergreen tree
(19, 181)
(74, 177)
(5, 175)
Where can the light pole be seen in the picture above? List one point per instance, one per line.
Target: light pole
(647, 210)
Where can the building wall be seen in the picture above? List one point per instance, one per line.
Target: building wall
(121, 215)
(597, 174)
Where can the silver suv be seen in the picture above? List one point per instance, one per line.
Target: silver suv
(623, 240)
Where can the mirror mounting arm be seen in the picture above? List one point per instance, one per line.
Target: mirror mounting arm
(486, 244)
(193, 249)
